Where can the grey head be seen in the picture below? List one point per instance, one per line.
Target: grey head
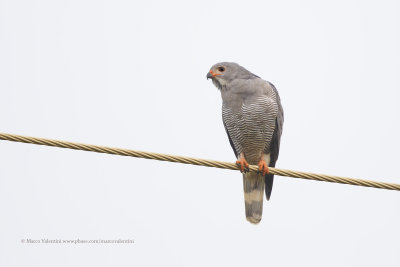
(223, 73)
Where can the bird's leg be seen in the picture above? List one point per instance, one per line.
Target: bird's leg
(242, 163)
(263, 166)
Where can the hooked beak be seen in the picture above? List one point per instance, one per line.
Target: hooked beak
(211, 74)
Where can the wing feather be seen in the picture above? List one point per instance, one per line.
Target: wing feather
(230, 140)
(275, 144)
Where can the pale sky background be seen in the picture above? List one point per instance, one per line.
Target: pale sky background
(132, 74)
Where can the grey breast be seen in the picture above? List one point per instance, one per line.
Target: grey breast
(250, 121)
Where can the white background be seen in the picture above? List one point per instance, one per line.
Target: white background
(132, 74)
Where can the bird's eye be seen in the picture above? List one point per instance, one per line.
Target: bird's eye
(221, 69)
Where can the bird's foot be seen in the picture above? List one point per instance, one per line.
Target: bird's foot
(263, 167)
(242, 164)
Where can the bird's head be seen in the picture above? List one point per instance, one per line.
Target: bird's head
(224, 72)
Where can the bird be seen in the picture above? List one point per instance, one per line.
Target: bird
(252, 115)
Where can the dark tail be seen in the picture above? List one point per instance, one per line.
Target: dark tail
(253, 186)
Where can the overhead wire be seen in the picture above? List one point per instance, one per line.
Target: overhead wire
(194, 161)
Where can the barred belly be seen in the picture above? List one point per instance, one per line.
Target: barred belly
(251, 127)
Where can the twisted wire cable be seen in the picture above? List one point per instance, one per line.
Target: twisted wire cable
(194, 161)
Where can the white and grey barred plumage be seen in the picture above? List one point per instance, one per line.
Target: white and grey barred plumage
(253, 119)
